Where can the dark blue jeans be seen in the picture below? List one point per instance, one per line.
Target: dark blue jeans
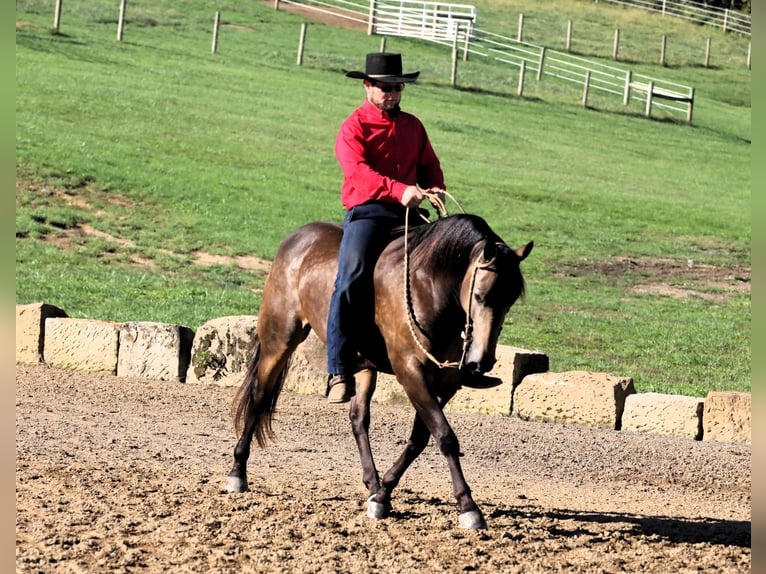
(366, 232)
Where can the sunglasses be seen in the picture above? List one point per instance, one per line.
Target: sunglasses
(388, 88)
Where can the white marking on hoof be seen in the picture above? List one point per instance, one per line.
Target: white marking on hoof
(376, 510)
(472, 519)
(236, 484)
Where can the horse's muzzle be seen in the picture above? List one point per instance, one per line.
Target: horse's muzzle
(479, 368)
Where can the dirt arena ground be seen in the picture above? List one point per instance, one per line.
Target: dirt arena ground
(127, 475)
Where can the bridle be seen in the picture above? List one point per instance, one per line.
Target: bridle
(467, 334)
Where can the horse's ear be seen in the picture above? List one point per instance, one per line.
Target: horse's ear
(523, 252)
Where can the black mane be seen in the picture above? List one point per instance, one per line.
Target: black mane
(449, 242)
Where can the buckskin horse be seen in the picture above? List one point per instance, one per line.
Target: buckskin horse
(441, 292)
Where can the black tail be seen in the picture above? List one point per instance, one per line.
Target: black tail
(255, 403)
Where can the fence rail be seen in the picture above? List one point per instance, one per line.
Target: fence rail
(696, 12)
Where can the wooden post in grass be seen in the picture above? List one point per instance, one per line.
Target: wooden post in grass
(649, 91)
(57, 16)
(371, 19)
(749, 50)
(540, 64)
(382, 44)
(302, 43)
(121, 20)
(569, 35)
(707, 52)
(216, 26)
(585, 89)
(520, 34)
(522, 72)
(663, 46)
(453, 75)
(467, 44)
(690, 106)
(616, 48)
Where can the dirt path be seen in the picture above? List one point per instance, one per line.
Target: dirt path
(126, 475)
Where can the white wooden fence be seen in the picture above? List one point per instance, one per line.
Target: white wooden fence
(696, 12)
(428, 20)
(455, 25)
(589, 74)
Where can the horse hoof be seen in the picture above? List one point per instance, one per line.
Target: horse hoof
(376, 510)
(472, 519)
(236, 484)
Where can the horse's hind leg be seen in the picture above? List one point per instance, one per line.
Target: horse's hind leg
(257, 398)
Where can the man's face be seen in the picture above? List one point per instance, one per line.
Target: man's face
(382, 99)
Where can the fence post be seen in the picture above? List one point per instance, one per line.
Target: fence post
(382, 44)
(569, 35)
(540, 64)
(276, 4)
(520, 34)
(453, 75)
(616, 47)
(371, 19)
(585, 89)
(522, 72)
(662, 49)
(749, 50)
(467, 45)
(626, 95)
(707, 52)
(649, 91)
(301, 43)
(690, 106)
(57, 16)
(216, 26)
(725, 20)
(121, 21)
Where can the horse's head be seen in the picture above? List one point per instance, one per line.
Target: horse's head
(491, 286)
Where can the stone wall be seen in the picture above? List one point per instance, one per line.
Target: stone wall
(220, 351)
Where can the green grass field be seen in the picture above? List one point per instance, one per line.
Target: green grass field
(134, 157)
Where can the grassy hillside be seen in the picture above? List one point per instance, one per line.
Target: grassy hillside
(134, 159)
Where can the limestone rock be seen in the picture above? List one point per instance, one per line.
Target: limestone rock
(81, 345)
(156, 351)
(222, 350)
(727, 417)
(573, 397)
(30, 330)
(662, 414)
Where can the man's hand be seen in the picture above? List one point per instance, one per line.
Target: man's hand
(439, 196)
(412, 196)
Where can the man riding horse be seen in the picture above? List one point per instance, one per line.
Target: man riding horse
(388, 163)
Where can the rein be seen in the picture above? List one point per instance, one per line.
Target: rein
(466, 335)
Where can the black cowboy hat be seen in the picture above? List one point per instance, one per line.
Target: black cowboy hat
(384, 68)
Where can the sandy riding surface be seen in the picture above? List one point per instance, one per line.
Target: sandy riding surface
(126, 475)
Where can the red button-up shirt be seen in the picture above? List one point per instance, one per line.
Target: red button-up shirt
(380, 156)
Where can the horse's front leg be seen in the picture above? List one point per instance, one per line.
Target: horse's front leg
(379, 505)
(359, 414)
(430, 412)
